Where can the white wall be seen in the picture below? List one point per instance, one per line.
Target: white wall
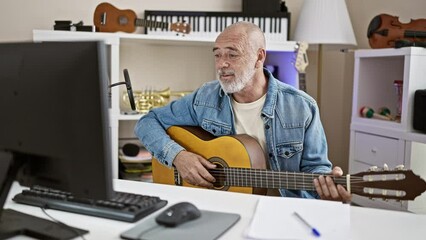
(19, 17)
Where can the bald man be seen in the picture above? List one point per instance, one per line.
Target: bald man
(246, 99)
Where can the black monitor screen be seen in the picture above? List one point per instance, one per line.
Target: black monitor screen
(54, 115)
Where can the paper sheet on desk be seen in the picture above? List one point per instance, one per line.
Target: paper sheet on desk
(274, 219)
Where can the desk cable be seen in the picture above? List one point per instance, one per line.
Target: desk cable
(62, 224)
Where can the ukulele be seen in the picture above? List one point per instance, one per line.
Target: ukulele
(238, 157)
(301, 63)
(108, 18)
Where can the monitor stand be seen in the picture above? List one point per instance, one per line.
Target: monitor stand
(14, 223)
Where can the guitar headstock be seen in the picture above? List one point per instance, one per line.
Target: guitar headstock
(396, 184)
(180, 27)
(301, 57)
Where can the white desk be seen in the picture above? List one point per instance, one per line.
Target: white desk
(366, 223)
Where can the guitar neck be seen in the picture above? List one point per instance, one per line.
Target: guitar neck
(302, 81)
(262, 178)
(151, 24)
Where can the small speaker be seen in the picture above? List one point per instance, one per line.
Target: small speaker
(419, 113)
(261, 6)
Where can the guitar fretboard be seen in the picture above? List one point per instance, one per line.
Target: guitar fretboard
(262, 178)
(302, 81)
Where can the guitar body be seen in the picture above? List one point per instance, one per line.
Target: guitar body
(239, 151)
(117, 20)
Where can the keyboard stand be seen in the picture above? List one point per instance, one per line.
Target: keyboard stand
(19, 223)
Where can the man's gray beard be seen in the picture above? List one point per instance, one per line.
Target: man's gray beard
(239, 83)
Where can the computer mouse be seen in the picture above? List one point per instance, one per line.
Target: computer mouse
(177, 214)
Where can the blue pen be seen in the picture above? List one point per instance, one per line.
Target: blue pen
(314, 230)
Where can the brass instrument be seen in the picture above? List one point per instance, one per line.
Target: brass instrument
(148, 99)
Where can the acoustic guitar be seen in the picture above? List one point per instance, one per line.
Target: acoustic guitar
(237, 158)
(301, 63)
(108, 18)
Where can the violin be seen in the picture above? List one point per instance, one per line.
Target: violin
(385, 30)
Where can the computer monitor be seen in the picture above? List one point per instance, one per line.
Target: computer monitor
(54, 128)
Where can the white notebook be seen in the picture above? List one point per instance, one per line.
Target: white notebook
(274, 218)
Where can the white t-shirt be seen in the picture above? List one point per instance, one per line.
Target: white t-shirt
(248, 120)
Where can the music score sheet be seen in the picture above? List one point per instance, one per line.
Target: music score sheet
(274, 218)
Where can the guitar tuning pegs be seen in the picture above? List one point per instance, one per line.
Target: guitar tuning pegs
(400, 167)
(385, 167)
(373, 169)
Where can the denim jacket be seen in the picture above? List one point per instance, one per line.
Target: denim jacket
(295, 137)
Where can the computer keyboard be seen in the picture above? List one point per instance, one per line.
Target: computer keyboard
(126, 207)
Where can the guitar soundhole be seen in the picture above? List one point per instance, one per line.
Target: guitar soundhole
(219, 174)
(122, 20)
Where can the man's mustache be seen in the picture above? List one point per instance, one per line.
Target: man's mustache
(222, 72)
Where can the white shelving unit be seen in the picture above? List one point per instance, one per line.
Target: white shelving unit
(122, 45)
(375, 142)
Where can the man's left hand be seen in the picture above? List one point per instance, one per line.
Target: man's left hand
(327, 189)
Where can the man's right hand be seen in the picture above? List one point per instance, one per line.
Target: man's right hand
(194, 169)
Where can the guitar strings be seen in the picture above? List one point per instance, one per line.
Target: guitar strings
(289, 177)
(241, 176)
(297, 175)
(258, 178)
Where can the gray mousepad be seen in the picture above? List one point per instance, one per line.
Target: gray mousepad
(209, 226)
